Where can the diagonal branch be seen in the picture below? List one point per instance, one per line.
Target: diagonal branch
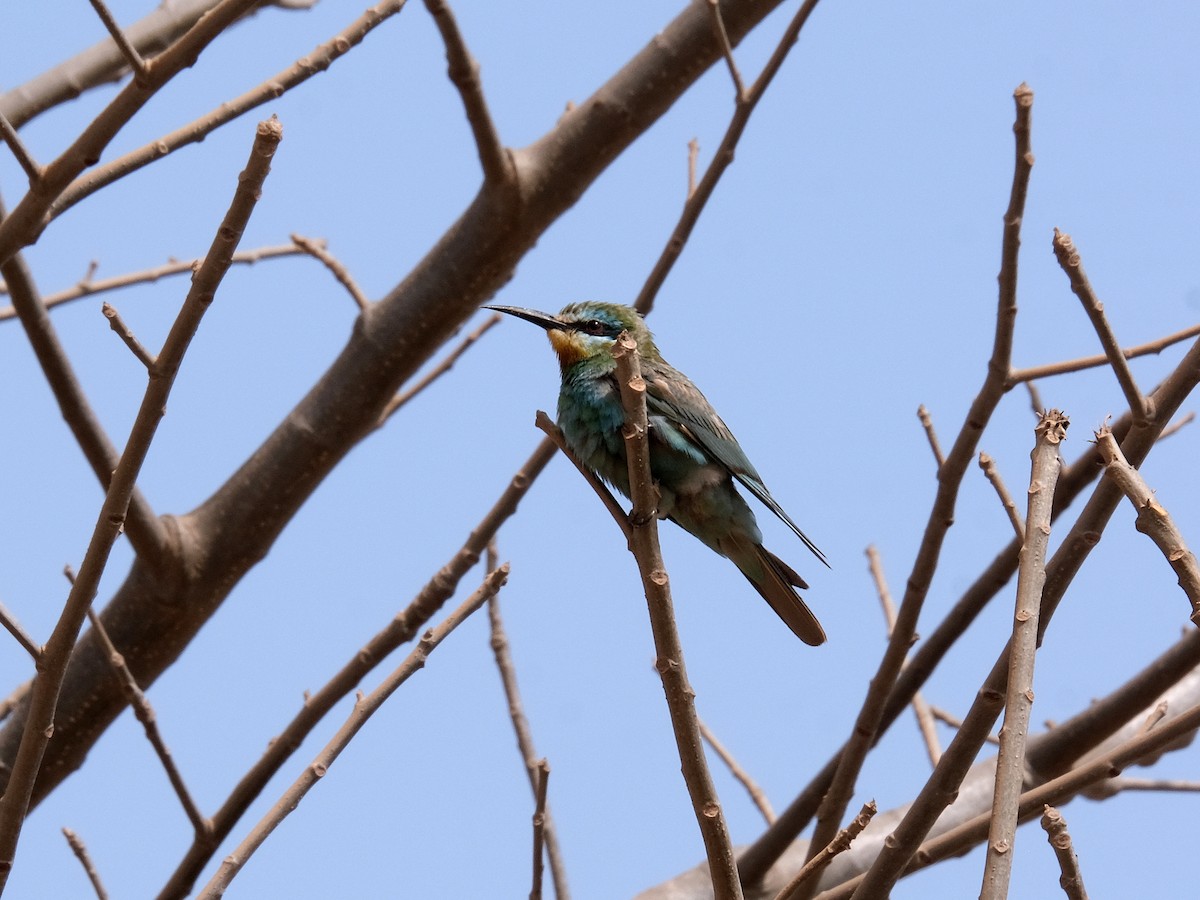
(123, 43)
(146, 533)
(698, 198)
(1068, 257)
(463, 70)
(363, 710)
(52, 666)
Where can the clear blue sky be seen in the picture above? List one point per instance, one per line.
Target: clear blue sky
(843, 274)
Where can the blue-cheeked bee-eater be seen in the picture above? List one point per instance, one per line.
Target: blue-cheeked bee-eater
(694, 458)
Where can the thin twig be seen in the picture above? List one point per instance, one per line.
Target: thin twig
(437, 371)
(9, 621)
(318, 251)
(698, 198)
(1090, 362)
(727, 50)
(1068, 258)
(363, 710)
(643, 543)
(931, 434)
(14, 805)
(1010, 506)
(145, 357)
(402, 628)
(840, 844)
(529, 757)
(539, 827)
(20, 151)
(147, 533)
(145, 714)
(921, 709)
(1031, 578)
(1153, 520)
(85, 859)
(692, 159)
(127, 49)
(87, 287)
(554, 433)
(1164, 785)
(1175, 426)
(757, 795)
(1035, 396)
(1071, 879)
(463, 70)
(954, 721)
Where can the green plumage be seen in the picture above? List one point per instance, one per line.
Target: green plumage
(694, 457)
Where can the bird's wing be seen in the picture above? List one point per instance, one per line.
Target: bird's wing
(672, 397)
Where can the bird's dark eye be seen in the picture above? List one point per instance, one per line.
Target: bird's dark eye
(594, 326)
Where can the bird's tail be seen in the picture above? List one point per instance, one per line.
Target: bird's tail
(776, 581)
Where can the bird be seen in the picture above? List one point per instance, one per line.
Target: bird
(694, 457)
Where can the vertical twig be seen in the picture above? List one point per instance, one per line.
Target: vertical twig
(1031, 577)
(10, 136)
(539, 827)
(680, 696)
(921, 709)
(516, 712)
(931, 434)
(1071, 879)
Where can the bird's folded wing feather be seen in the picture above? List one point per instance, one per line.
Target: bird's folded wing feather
(680, 402)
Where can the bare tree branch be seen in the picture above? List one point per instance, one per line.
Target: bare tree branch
(464, 74)
(1068, 258)
(529, 757)
(1031, 577)
(145, 714)
(950, 476)
(993, 475)
(931, 433)
(20, 151)
(1026, 376)
(87, 286)
(757, 795)
(698, 198)
(1071, 879)
(921, 709)
(144, 356)
(9, 621)
(643, 543)
(363, 710)
(1153, 520)
(123, 44)
(52, 666)
(81, 853)
(539, 827)
(841, 843)
(401, 629)
(318, 251)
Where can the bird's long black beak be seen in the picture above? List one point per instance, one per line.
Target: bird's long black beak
(545, 320)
